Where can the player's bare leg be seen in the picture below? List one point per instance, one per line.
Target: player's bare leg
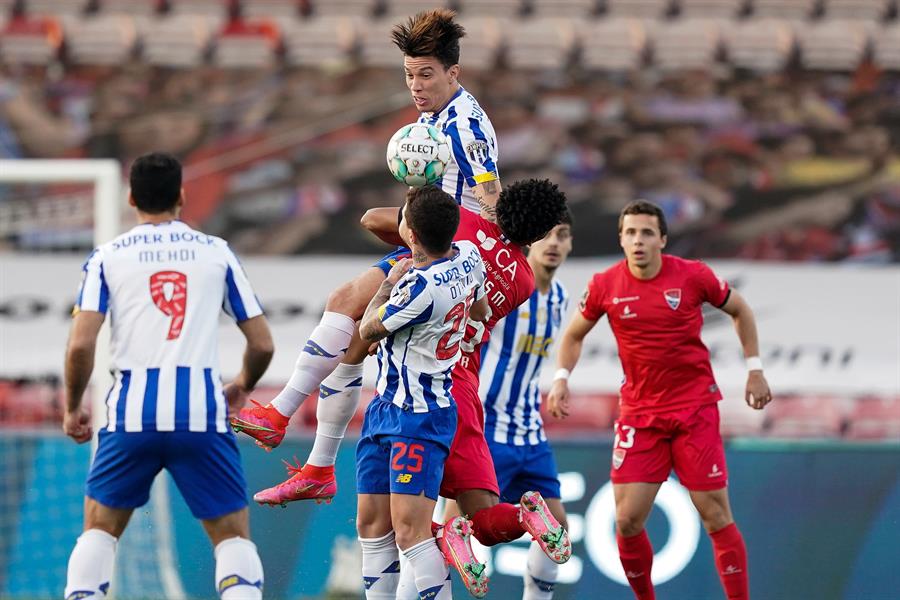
(93, 558)
(239, 572)
(380, 557)
(338, 400)
(634, 501)
(411, 517)
(728, 543)
(323, 351)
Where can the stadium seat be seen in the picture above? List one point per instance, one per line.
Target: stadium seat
(319, 41)
(345, 8)
(886, 46)
(612, 44)
(763, 45)
(375, 46)
(832, 45)
(130, 7)
(686, 44)
(806, 417)
(871, 10)
(577, 9)
(209, 8)
(482, 42)
(538, 43)
(31, 40)
(273, 9)
(647, 9)
(784, 9)
(247, 44)
(176, 41)
(736, 419)
(501, 9)
(874, 418)
(398, 9)
(56, 8)
(100, 40)
(711, 9)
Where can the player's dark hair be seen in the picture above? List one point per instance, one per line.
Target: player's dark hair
(642, 207)
(527, 210)
(566, 218)
(155, 181)
(433, 216)
(430, 33)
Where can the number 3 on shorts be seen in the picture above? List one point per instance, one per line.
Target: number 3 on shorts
(624, 436)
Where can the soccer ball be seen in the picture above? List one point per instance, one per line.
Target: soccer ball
(418, 154)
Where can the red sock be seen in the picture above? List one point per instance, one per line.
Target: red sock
(318, 472)
(435, 528)
(731, 561)
(636, 555)
(497, 524)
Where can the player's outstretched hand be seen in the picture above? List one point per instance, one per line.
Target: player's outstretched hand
(77, 425)
(558, 399)
(757, 394)
(400, 268)
(235, 398)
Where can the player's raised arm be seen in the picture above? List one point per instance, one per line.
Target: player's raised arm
(384, 223)
(566, 359)
(79, 365)
(372, 327)
(757, 393)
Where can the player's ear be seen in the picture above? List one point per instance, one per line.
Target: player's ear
(453, 72)
(131, 201)
(180, 201)
(663, 239)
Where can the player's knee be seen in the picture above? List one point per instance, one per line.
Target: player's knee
(629, 524)
(715, 518)
(409, 534)
(342, 299)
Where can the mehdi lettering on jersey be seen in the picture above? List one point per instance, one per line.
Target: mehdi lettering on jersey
(161, 256)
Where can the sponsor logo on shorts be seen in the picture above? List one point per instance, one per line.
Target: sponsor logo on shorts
(715, 472)
(618, 458)
(404, 478)
(732, 570)
(673, 298)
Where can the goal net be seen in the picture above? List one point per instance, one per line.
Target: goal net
(51, 213)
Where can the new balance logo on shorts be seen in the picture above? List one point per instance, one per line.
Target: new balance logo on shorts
(404, 478)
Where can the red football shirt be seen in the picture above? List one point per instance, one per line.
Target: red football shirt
(657, 326)
(509, 283)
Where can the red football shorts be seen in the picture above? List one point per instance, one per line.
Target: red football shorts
(469, 466)
(648, 446)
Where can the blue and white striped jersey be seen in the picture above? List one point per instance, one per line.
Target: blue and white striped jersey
(474, 145)
(426, 316)
(511, 368)
(164, 287)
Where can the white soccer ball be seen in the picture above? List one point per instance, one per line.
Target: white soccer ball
(418, 154)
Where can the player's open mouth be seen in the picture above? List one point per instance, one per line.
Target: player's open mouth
(420, 101)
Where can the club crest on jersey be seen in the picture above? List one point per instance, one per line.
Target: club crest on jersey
(477, 151)
(618, 458)
(673, 298)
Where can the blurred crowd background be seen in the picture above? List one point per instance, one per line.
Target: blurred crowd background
(762, 136)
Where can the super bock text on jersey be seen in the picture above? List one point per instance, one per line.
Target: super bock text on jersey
(473, 144)
(164, 287)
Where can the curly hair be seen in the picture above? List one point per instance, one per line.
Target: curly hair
(527, 210)
(433, 215)
(430, 33)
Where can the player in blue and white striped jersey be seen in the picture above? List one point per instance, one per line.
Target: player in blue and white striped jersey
(164, 285)
(510, 376)
(419, 316)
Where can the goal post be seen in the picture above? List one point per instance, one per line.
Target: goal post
(106, 177)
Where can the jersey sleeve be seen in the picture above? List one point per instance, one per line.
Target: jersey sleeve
(474, 152)
(93, 294)
(713, 289)
(591, 306)
(240, 302)
(410, 303)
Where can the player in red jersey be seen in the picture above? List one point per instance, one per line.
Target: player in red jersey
(668, 417)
